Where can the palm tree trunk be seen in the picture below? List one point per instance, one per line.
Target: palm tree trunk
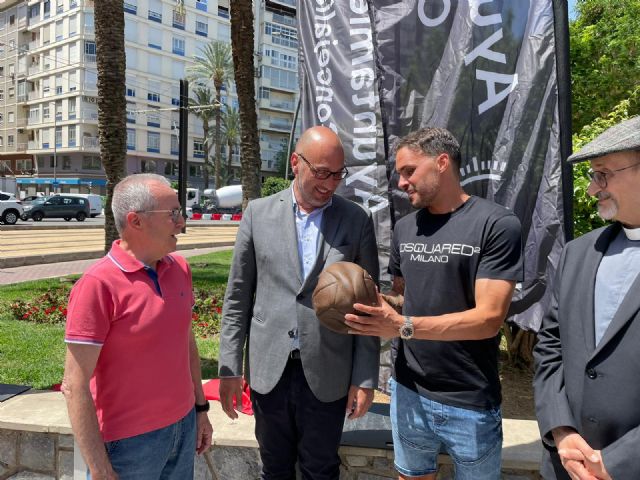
(218, 133)
(112, 126)
(205, 146)
(242, 51)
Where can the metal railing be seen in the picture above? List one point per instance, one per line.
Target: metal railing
(90, 142)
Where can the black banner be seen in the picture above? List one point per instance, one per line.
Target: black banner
(486, 70)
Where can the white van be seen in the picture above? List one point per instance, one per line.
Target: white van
(95, 201)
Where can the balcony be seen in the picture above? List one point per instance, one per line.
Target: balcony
(33, 145)
(290, 3)
(90, 58)
(34, 120)
(155, 16)
(34, 45)
(130, 8)
(21, 122)
(89, 115)
(21, 147)
(90, 142)
(34, 69)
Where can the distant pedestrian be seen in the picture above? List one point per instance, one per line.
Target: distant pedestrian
(587, 360)
(132, 371)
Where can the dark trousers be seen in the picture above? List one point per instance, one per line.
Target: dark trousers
(292, 424)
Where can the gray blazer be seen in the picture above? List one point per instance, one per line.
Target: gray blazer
(266, 298)
(594, 390)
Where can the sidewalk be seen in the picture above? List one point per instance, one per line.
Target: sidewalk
(51, 270)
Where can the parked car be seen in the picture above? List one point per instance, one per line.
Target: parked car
(57, 206)
(10, 209)
(95, 202)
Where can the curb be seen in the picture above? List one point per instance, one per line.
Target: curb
(70, 257)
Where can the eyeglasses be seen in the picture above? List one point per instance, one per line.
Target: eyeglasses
(600, 178)
(323, 173)
(176, 213)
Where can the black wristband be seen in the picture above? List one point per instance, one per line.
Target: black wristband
(202, 408)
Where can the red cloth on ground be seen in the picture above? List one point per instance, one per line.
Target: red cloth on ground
(212, 392)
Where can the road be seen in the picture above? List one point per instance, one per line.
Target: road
(50, 241)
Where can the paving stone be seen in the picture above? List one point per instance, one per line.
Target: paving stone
(236, 463)
(356, 460)
(37, 451)
(382, 464)
(65, 441)
(8, 439)
(369, 476)
(65, 465)
(31, 476)
(201, 469)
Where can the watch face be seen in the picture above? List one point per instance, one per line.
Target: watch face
(406, 332)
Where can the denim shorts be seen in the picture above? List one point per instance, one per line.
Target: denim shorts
(166, 453)
(423, 428)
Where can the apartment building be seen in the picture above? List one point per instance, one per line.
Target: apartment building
(48, 88)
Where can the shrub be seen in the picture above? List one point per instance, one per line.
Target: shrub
(273, 185)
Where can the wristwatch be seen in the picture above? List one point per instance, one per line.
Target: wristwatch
(202, 408)
(406, 329)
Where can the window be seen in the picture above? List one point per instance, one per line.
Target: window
(201, 5)
(264, 92)
(154, 64)
(59, 30)
(131, 139)
(58, 84)
(153, 117)
(178, 45)
(45, 113)
(175, 145)
(3, 164)
(59, 6)
(90, 47)
(179, 19)
(45, 140)
(45, 85)
(12, 92)
(171, 168)
(131, 116)
(131, 7)
(155, 11)
(153, 142)
(202, 26)
(46, 8)
(10, 140)
(74, 57)
(224, 33)
(90, 79)
(198, 147)
(12, 19)
(154, 38)
(66, 162)
(11, 116)
(148, 166)
(73, 81)
(195, 170)
(281, 35)
(130, 30)
(223, 12)
(34, 115)
(280, 78)
(91, 162)
(89, 26)
(131, 89)
(73, 25)
(71, 108)
(1, 94)
(154, 91)
(71, 135)
(177, 69)
(58, 136)
(132, 57)
(58, 110)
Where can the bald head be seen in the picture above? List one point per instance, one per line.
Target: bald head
(321, 138)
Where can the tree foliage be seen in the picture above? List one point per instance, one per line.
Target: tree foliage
(605, 59)
(273, 185)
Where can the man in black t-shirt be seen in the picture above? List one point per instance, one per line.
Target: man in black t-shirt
(456, 261)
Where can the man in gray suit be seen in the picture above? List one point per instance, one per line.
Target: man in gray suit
(302, 376)
(587, 361)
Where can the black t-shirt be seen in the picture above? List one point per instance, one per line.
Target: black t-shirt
(440, 257)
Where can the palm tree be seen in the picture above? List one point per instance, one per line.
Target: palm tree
(242, 49)
(201, 107)
(231, 124)
(214, 66)
(112, 126)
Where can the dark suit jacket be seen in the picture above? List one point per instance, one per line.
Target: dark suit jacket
(595, 390)
(267, 297)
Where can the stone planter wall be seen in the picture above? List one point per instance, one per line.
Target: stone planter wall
(35, 455)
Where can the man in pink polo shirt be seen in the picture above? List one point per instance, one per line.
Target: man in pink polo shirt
(132, 371)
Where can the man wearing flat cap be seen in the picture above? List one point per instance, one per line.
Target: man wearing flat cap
(587, 387)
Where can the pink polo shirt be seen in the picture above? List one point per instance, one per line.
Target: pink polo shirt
(142, 380)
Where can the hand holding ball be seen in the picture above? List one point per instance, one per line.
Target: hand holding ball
(340, 285)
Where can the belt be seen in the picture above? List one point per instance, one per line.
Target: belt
(294, 354)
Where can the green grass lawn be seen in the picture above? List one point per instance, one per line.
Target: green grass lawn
(33, 354)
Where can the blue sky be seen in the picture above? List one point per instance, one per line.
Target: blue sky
(572, 6)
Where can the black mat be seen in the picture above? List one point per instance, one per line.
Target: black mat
(373, 430)
(7, 391)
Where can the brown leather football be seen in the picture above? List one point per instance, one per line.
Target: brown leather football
(340, 285)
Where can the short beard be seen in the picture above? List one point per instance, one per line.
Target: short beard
(608, 212)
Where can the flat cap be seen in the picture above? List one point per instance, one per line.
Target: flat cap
(620, 137)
